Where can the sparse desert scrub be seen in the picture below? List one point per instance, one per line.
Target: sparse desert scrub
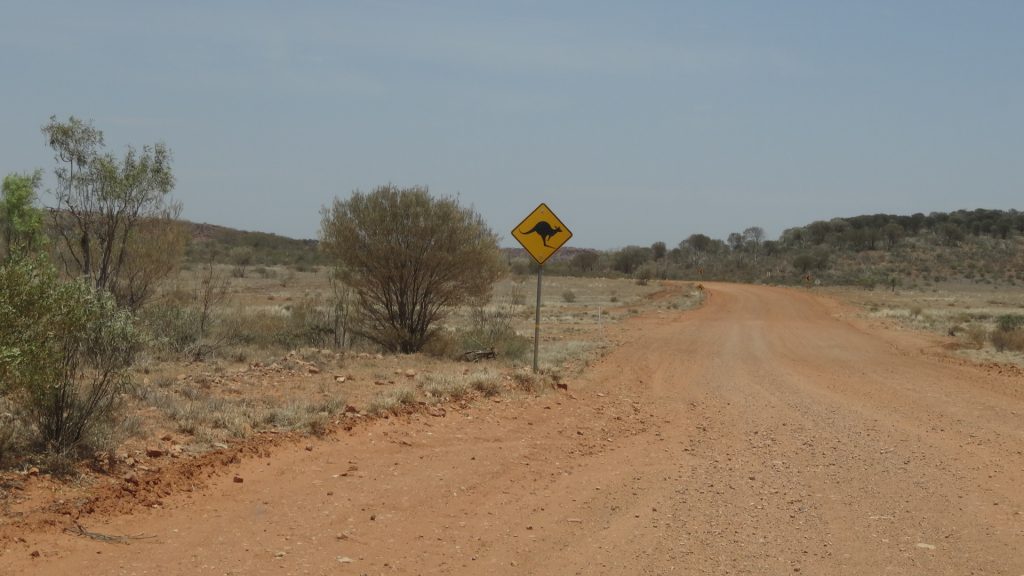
(1008, 334)
(529, 382)
(215, 408)
(975, 335)
(440, 389)
(269, 374)
(569, 356)
(985, 319)
(487, 384)
(392, 402)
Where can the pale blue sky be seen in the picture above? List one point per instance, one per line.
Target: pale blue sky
(635, 121)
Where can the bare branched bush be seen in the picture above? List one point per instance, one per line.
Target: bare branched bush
(492, 328)
(14, 434)
(1007, 340)
(975, 334)
(342, 304)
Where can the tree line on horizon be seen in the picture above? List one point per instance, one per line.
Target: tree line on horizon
(868, 249)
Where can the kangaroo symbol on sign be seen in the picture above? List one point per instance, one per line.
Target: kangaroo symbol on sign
(544, 230)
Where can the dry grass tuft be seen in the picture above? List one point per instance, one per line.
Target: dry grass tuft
(392, 402)
(439, 389)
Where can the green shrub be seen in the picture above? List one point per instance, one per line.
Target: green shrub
(64, 352)
(569, 296)
(1009, 322)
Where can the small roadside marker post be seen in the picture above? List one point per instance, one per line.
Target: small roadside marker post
(541, 234)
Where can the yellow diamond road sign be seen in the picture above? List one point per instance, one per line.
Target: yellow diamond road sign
(541, 233)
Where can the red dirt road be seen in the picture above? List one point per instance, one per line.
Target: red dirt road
(766, 433)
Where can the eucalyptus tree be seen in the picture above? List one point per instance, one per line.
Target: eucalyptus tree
(115, 222)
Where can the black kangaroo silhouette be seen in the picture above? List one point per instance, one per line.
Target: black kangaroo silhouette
(544, 230)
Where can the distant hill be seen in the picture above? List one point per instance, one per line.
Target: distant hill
(267, 249)
(227, 245)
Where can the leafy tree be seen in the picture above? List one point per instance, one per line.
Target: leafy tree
(699, 242)
(409, 257)
(950, 234)
(697, 247)
(753, 236)
(585, 261)
(103, 205)
(892, 233)
(658, 250)
(818, 232)
(21, 222)
(630, 258)
(735, 241)
(812, 260)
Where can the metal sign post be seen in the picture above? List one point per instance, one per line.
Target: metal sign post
(541, 234)
(536, 325)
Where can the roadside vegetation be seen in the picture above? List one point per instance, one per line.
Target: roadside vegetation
(127, 332)
(985, 322)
